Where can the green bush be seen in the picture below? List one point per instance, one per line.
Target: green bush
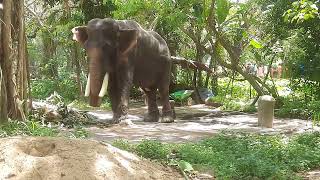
(67, 88)
(152, 149)
(295, 108)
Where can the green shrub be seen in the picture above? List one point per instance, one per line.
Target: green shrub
(152, 149)
(296, 108)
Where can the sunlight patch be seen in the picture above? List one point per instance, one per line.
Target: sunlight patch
(103, 164)
(123, 153)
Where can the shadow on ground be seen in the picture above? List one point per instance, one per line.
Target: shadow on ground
(193, 123)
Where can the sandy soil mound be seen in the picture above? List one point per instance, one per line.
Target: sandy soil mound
(59, 158)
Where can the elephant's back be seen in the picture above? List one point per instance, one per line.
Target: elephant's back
(163, 47)
(149, 41)
(129, 24)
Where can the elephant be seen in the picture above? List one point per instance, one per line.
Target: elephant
(122, 54)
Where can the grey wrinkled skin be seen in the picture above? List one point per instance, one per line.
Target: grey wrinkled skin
(131, 56)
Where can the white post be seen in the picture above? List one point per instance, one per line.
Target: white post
(266, 111)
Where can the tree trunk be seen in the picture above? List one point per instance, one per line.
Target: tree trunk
(29, 105)
(21, 64)
(256, 86)
(195, 87)
(7, 59)
(14, 98)
(3, 99)
(3, 94)
(206, 84)
(49, 51)
(199, 57)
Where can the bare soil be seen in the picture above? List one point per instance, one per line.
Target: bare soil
(193, 123)
(40, 158)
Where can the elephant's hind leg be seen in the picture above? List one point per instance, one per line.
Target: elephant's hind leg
(167, 110)
(153, 111)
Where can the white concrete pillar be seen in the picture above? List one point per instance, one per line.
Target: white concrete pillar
(266, 111)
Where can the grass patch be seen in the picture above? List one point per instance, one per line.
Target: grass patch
(78, 132)
(28, 128)
(35, 128)
(239, 156)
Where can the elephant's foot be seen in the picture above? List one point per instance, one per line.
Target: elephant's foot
(120, 115)
(118, 118)
(151, 117)
(167, 117)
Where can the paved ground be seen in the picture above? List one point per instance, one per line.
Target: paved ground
(192, 123)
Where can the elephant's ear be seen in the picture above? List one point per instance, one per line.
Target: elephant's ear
(127, 40)
(80, 34)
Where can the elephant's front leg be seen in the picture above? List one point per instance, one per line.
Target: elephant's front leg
(121, 94)
(113, 95)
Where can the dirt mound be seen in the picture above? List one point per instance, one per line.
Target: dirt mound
(59, 158)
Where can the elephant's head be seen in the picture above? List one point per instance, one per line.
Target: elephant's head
(106, 45)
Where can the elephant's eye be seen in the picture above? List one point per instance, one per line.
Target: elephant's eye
(108, 43)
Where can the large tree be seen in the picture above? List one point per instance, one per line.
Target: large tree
(13, 61)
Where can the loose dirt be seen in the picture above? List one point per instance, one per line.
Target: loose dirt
(35, 158)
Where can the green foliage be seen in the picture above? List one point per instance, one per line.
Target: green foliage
(35, 128)
(185, 166)
(239, 156)
(152, 149)
(298, 108)
(79, 132)
(301, 11)
(249, 109)
(232, 105)
(256, 44)
(297, 34)
(123, 144)
(234, 96)
(223, 7)
(65, 86)
(28, 128)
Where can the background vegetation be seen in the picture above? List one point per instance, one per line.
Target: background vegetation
(223, 34)
(38, 58)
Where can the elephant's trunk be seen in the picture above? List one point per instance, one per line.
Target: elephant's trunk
(96, 79)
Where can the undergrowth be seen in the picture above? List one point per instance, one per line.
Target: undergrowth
(239, 156)
(35, 128)
(296, 108)
(28, 128)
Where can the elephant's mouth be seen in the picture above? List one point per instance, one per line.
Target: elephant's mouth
(103, 89)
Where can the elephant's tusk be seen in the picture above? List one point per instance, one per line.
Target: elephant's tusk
(104, 86)
(87, 92)
(75, 32)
